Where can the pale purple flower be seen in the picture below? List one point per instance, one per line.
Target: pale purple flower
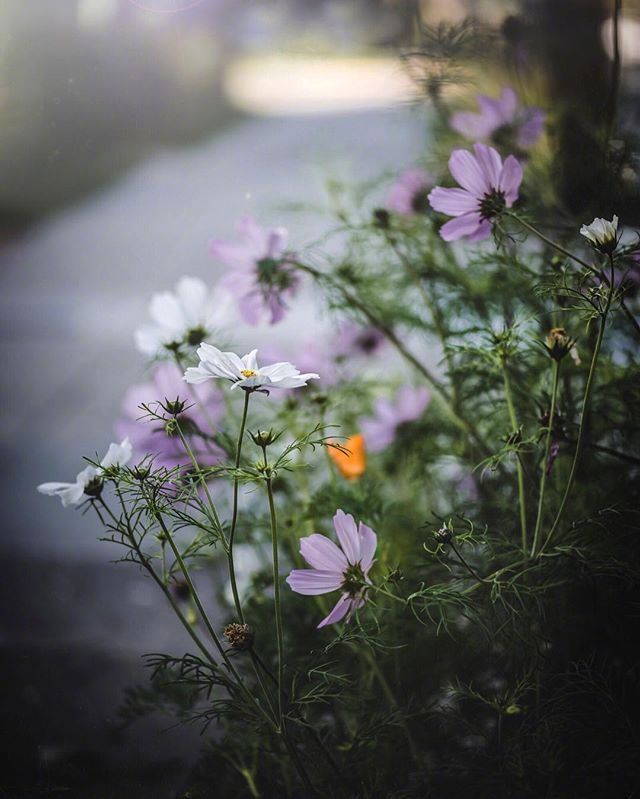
(380, 429)
(499, 115)
(149, 436)
(261, 276)
(353, 339)
(488, 187)
(408, 195)
(344, 568)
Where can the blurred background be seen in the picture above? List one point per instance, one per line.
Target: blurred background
(132, 132)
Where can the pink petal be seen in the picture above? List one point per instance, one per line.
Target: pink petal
(236, 256)
(276, 242)
(368, 543)
(454, 202)
(321, 553)
(470, 125)
(483, 231)
(342, 607)
(510, 179)
(467, 171)
(490, 162)
(465, 225)
(508, 104)
(531, 127)
(347, 533)
(314, 581)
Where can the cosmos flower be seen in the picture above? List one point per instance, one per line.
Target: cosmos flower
(500, 116)
(408, 195)
(261, 276)
(344, 568)
(601, 234)
(488, 187)
(185, 316)
(88, 482)
(351, 459)
(354, 339)
(150, 436)
(380, 429)
(244, 372)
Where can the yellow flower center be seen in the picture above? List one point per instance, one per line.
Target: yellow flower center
(248, 372)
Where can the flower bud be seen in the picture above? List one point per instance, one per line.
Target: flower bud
(174, 407)
(558, 343)
(263, 438)
(381, 218)
(239, 636)
(444, 534)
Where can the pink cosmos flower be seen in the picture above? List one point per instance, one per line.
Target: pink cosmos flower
(149, 436)
(408, 195)
(380, 429)
(499, 115)
(353, 339)
(334, 568)
(488, 187)
(260, 275)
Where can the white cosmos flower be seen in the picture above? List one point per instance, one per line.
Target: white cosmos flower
(73, 493)
(602, 234)
(184, 316)
(244, 372)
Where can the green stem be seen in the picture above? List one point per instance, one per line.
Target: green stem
(160, 583)
(215, 519)
(467, 566)
(520, 471)
(545, 459)
(585, 411)
(234, 512)
(276, 589)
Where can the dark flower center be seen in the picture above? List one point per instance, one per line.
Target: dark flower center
(274, 274)
(419, 202)
(353, 581)
(196, 336)
(492, 204)
(93, 488)
(368, 341)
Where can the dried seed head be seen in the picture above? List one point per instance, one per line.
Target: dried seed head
(239, 636)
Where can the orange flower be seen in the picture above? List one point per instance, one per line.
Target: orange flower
(351, 460)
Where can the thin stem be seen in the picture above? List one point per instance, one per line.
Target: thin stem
(585, 411)
(464, 562)
(163, 587)
(234, 512)
(196, 466)
(545, 459)
(520, 471)
(276, 589)
(386, 690)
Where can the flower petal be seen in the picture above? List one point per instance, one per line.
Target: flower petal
(454, 202)
(490, 163)
(321, 553)
(311, 582)
(342, 607)
(465, 225)
(467, 171)
(347, 533)
(510, 179)
(368, 544)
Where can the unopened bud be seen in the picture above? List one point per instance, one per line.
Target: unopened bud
(444, 534)
(174, 407)
(263, 438)
(558, 343)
